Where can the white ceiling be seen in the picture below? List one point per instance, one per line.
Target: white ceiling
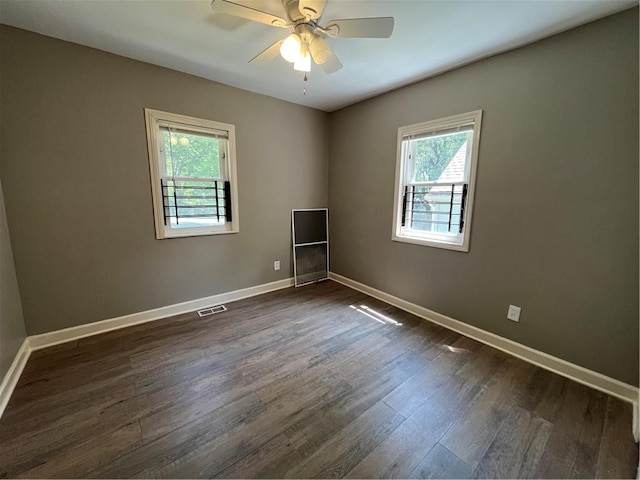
(186, 35)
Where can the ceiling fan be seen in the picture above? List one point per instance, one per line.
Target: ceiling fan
(307, 40)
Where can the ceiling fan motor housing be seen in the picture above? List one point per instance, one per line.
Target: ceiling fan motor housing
(292, 10)
(297, 10)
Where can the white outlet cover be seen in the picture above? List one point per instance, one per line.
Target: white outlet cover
(514, 313)
(276, 265)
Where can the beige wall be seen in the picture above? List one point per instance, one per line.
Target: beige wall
(555, 226)
(12, 331)
(77, 187)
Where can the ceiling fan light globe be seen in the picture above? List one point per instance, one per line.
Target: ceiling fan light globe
(320, 51)
(290, 48)
(303, 64)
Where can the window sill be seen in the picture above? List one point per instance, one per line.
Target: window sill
(430, 242)
(192, 233)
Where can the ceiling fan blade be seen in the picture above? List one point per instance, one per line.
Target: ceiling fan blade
(268, 54)
(332, 64)
(380, 27)
(242, 11)
(311, 9)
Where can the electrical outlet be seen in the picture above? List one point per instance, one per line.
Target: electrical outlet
(276, 265)
(514, 313)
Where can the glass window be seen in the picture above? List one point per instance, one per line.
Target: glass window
(434, 186)
(193, 175)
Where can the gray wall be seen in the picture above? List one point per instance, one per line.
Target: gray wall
(12, 332)
(555, 221)
(77, 187)
(555, 226)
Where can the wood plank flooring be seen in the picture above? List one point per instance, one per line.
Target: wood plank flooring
(313, 382)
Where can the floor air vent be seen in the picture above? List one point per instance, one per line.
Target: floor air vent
(205, 312)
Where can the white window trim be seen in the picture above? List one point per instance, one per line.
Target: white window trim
(450, 242)
(153, 118)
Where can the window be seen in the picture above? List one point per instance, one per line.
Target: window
(435, 176)
(193, 175)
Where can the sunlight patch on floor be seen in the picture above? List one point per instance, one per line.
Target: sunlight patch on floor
(375, 315)
(454, 349)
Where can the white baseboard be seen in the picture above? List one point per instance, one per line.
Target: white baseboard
(37, 342)
(10, 379)
(570, 370)
(81, 331)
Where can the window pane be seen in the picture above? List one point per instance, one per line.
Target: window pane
(191, 155)
(191, 203)
(441, 158)
(435, 209)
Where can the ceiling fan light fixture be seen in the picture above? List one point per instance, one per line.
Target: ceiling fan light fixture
(306, 44)
(303, 64)
(319, 49)
(290, 48)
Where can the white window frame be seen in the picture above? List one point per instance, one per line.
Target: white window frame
(459, 242)
(157, 164)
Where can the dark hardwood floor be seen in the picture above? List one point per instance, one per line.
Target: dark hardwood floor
(305, 383)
